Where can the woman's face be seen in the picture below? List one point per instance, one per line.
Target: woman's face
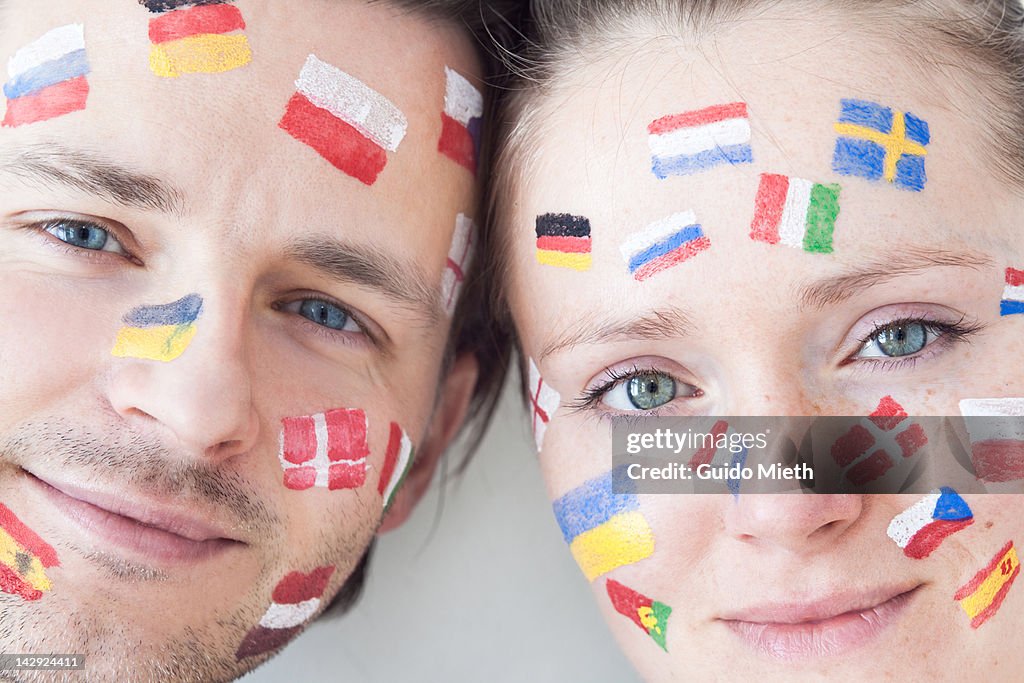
(735, 293)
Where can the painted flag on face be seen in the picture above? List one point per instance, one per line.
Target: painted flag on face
(349, 124)
(982, 596)
(196, 38)
(604, 530)
(460, 254)
(996, 430)
(326, 450)
(922, 527)
(397, 461)
(295, 600)
(1013, 294)
(24, 558)
(695, 141)
(461, 120)
(710, 454)
(563, 240)
(159, 332)
(663, 244)
(796, 212)
(650, 615)
(46, 78)
(878, 143)
(544, 402)
(878, 439)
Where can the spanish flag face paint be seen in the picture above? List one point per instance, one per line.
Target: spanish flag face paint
(982, 596)
(159, 332)
(24, 558)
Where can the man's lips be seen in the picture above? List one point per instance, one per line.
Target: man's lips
(151, 529)
(831, 625)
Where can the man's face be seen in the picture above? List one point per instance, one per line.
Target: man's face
(150, 446)
(906, 304)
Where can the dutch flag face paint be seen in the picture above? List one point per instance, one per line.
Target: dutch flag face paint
(696, 141)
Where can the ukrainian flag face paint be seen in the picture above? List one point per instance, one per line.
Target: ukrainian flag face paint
(161, 332)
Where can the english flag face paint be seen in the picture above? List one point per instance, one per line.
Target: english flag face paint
(544, 402)
(47, 77)
(327, 450)
(296, 600)
(460, 253)
(348, 123)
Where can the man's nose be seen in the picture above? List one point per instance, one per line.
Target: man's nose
(799, 524)
(182, 373)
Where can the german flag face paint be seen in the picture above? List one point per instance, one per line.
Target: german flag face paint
(196, 38)
(563, 240)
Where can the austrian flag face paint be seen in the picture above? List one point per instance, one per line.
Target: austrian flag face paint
(24, 558)
(196, 38)
(349, 124)
(326, 450)
(296, 599)
(46, 78)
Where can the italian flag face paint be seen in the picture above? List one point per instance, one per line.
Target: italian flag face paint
(795, 212)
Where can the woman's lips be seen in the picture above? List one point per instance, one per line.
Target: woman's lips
(155, 532)
(822, 628)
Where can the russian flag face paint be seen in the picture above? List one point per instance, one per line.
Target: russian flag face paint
(563, 240)
(24, 558)
(397, 461)
(650, 615)
(983, 595)
(461, 121)
(460, 253)
(922, 527)
(326, 450)
(196, 38)
(878, 143)
(46, 78)
(296, 599)
(159, 332)
(663, 244)
(997, 443)
(604, 530)
(346, 122)
(1013, 295)
(873, 447)
(682, 144)
(795, 212)
(544, 403)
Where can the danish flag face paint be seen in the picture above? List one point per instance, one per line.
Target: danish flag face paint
(326, 450)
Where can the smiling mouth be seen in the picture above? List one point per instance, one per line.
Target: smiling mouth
(820, 629)
(164, 534)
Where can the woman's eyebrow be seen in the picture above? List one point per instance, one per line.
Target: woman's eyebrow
(898, 263)
(654, 325)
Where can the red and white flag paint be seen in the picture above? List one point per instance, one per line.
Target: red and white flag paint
(461, 120)
(347, 122)
(460, 254)
(996, 430)
(543, 403)
(296, 600)
(397, 461)
(922, 527)
(873, 447)
(327, 450)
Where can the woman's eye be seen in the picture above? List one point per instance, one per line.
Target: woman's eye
(327, 314)
(645, 391)
(84, 236)
(898, 339)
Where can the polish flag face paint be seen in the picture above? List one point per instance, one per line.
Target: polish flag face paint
(349, 124)
(460, 254)
(875, 446)
(326, 450)
(996, 429)
(296, 600)
(397, 461)
(24, 558)
(544, 402)
(47, 78)
(983, 595)
(461, 121)
(922, 527)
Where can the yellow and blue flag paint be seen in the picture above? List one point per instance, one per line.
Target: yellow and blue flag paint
(878, 143)
(159, 332)
(605, 530)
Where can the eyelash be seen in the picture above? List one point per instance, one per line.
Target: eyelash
(946, 335)
(612, 378)
(326, 333)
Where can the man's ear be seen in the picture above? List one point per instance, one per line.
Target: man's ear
(450, 413)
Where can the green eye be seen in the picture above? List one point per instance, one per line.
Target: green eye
(645, 391)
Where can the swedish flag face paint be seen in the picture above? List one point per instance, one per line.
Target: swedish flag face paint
(160, 332)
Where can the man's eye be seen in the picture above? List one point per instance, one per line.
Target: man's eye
(644, 391)
(327, 314)
(898, 339)
(84, 235)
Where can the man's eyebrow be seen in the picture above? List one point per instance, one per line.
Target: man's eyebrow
(53, 164)
(368, 267)
(657, 325)
(911, 261)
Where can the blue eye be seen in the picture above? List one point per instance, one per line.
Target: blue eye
(327, 314)
(900, 338)
(84, 235)
(645, 391)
